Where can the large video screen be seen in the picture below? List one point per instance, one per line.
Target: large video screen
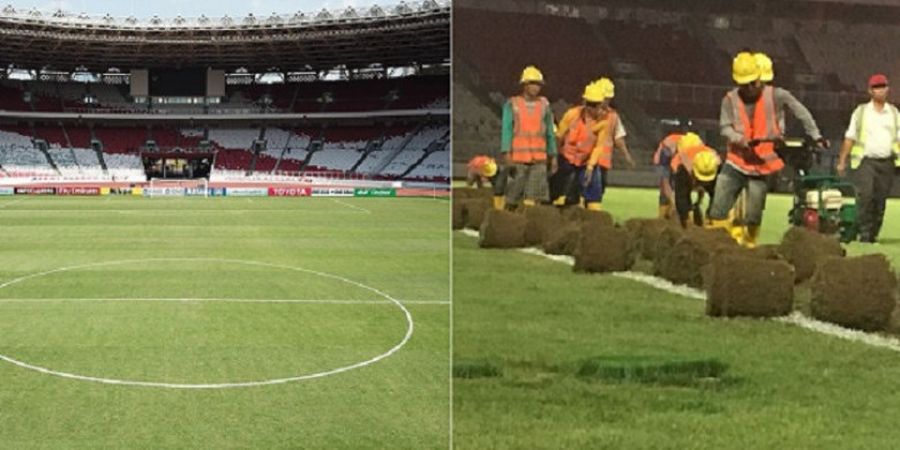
(178, 82)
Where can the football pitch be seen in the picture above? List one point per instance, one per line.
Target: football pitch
(528, 334)
(224, 322)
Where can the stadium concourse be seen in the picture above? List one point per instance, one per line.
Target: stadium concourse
(114, 115)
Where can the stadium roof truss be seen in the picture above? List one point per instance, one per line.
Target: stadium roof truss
(399, 36)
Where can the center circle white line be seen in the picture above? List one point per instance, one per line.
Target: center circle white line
(391, 351)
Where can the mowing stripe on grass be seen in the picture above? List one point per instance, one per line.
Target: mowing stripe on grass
(226, 300)
(12, 202)
(795, 318)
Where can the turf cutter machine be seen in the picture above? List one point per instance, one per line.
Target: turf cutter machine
(823, 201)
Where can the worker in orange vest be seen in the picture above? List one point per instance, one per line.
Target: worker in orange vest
(662, 160)
(586, 135)
(480, 170)
(694, 168)
(527, 143)
(747, 116)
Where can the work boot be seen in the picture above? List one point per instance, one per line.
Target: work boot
(528, 203)
(499, 202)
(594, 206)
(719, 224)
(560, 201)
(738, 233)
(751, 236)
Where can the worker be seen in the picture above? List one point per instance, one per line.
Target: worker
(749, 122)
(588, 134)
(872, 142)
(527, 143)
(694, 167)
(784, 99)
(579, 134)
(480, 170)
(662, 160)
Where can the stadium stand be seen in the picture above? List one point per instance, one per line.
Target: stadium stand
(333, 107)
(822, 51)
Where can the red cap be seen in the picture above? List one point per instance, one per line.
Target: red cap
(878, 80)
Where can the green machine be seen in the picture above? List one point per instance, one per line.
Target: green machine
(823, 201)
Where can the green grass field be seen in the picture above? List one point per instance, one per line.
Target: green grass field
(221, 291)
(526, 329)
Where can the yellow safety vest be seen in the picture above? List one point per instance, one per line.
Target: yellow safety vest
(856, 152)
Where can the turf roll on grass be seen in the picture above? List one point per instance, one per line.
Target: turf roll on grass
(459, 214)
(563, 240)
(604, 249)
(502, 229)
(768, 251)
(683, 261)
(475, 209)
(648, 232)
(738, 285)
(573, 213)
(858, 292)
(540, 221)
(805, 249)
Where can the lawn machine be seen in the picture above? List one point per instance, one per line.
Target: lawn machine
(823, 201)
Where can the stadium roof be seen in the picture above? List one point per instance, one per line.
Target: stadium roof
(391, 36)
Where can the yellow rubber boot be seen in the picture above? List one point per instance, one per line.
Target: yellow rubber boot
(499, 202)
(724, 224)
(751, 236)
(560, 201)
(528, 203)
(738, 234)
(595, 206)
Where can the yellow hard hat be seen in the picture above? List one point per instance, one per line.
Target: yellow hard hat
(706, 164)
(689, 140)
(489, 168)
(765, 66)
(593, 93)
(609, 89)
(744, 69)
(531, 74)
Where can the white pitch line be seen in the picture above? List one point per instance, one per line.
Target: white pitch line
(795, 318)
(351, 206)
(225, 300)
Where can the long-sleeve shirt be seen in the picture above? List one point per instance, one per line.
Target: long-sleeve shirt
(783, 100)
(506, 128)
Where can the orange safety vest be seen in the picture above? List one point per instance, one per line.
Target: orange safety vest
(686, 157)
(606, 146)
(762, 159)
(476, 163)
(529, 142)
(670, 144)
(580, 138)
